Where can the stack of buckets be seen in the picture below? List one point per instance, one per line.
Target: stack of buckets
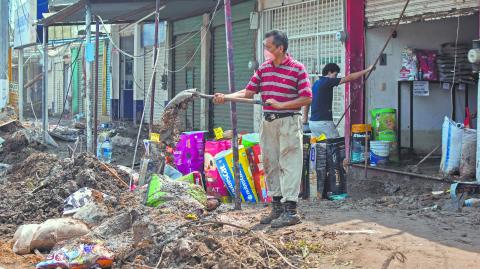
(384, 146)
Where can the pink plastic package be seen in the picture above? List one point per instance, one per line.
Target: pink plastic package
(214, 183)
(427, 61)
(189, 152)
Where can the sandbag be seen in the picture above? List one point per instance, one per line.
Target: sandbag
(468, 155)
(55, 230)
(23, 238)
(452, 134)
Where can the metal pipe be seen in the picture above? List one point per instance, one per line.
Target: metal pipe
(88, 77)
(45, 85)
(477, 175)
(20, 83)
(233, 106)
(155, 51)
(95, 97)
(404, 173)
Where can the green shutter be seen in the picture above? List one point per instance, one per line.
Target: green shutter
(187, 61)
(243, 46)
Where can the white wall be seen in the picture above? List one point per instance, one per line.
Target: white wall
(428, 111)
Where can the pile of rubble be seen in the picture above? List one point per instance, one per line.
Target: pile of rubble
(36, 188)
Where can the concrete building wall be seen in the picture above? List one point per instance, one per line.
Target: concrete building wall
(428, 111)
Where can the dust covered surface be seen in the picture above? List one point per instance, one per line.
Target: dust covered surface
(36, 188)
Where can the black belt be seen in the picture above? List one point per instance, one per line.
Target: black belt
(271, 116)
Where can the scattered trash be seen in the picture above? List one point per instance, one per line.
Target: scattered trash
(357, 232)
(338, 197)
(44, 236)
(23, 238)
(162, 190)
(121, 141)
(64, 133)
(472, 202)
(76, 256)
(82, 197)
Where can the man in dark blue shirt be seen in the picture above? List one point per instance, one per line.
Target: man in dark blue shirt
(321, 119)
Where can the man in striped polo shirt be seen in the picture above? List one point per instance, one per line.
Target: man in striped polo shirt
(285, 88)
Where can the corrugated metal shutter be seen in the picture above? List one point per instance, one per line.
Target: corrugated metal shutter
(58, 86)
(81, 80)
(160, 94)
(243, 44)
(385, 12)
(311, 27)
(187, 62)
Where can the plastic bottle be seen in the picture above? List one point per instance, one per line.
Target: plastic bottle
(472, 202)
(107, 151)
(100, 141)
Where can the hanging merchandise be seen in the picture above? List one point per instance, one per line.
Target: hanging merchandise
(427, 64)
(453, 64)
(409, 65)
(452, 135)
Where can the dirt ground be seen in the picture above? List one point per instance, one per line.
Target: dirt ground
(387, 222)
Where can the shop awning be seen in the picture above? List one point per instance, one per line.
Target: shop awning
(127, 11)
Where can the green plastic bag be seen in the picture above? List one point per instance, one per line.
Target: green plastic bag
(154, 192)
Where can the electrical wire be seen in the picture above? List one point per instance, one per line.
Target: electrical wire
(199, 45)
(115, 45)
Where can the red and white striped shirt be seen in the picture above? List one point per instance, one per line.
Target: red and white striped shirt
(283, 83)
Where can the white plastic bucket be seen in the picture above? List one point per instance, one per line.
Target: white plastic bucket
(380, 148)
(379, 152)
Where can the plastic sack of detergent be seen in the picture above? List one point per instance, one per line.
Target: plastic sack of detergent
(213, 181)
(452, 135)
(189, 152)
(224, 161)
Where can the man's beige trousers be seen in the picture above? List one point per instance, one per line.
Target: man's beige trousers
(282, 153)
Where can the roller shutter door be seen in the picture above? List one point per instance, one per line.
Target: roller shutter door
(243, 44)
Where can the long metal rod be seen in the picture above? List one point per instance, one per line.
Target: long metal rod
(376, 62)
(155, 51)
(88, 77)
(233, 106)
(95, 97)
(45, 85)
(21, 81)
(403, 173)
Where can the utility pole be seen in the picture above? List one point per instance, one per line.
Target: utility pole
(155, 51)
(21, 82)
(233, 106)
(95, 97)
(88, 76)
(4, 44)
(45, 85)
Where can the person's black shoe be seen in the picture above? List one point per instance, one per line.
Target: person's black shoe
(289, 217)
(277, 210)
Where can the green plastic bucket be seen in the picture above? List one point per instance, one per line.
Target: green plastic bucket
(250, 140)
(384, 124)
